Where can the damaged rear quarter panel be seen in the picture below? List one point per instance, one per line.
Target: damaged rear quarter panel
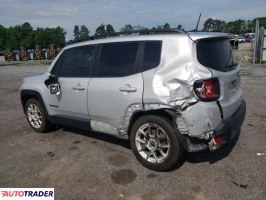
(171, 84)
(201, 118)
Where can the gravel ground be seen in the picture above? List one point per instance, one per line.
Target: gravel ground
(88, 165)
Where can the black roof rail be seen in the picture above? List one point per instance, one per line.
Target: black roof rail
(139, 32)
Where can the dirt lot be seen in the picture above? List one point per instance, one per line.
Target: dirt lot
(87, 165)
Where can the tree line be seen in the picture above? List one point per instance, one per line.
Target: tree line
(25, 36)
(82, 32)
(239, 26)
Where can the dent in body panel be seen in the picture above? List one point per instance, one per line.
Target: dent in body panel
(129, 112)
(103, 127)
(123, 129)
(172, 85)
(173, 82)
(201, 118)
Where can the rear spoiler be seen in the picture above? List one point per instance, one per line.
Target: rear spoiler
(204, 35)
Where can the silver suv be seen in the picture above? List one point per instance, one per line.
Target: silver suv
(164, 91)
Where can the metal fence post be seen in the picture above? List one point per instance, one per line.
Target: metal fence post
(255, 42)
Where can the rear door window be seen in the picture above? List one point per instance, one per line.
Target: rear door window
(152, 54)
(117, 59)
(215, 54)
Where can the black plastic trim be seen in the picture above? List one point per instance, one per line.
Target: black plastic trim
(221, 109)
(227, 127)
(192, 144)
(71, 122)
(55, 106)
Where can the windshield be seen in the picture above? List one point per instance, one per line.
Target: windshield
(215, 54)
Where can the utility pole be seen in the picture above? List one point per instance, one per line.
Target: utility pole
(255, 41)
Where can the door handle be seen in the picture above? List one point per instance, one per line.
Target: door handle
(78, 87)
(128, 88)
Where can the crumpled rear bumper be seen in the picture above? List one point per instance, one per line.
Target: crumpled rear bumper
(228, 129)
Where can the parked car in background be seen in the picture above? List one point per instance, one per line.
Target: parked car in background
(241, 39)
(234, 43)
(248, 39)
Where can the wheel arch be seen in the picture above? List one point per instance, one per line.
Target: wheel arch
(169, 114)
(25, 95)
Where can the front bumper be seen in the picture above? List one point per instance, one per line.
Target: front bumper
(228, 129)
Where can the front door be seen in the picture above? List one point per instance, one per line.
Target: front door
(73, 72)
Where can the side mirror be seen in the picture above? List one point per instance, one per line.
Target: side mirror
(53, 85)
(54, 89)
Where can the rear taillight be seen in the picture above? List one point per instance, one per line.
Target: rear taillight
(207, 90)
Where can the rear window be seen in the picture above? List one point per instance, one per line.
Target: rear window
(215, 54)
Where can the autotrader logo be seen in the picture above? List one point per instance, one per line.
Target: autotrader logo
(27, 193)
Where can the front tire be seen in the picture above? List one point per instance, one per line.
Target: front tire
(36, 117)
(155, 143)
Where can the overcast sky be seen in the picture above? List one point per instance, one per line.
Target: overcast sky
(148, 13)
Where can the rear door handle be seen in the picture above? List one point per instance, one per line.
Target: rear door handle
(78, 87)
(128, 88)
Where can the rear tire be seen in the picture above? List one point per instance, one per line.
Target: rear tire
(36, 117)
(155, 144)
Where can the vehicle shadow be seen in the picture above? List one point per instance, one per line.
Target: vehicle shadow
(197, 157)
(99, 136)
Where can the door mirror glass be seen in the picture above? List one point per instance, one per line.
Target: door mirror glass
(54, 89)
(53, 85)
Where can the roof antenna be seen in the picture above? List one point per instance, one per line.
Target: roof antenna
(198, 23)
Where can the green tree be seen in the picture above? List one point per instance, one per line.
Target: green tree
(166, 26)
(24, 35)
(139, 28)
(100, 31)
(55, 36)
(84, 32)
(109, 28)
(13, 37)
(40, 36)
(126, 28)
(76, 32)
(26, 29)
(160, 27)
(179, 27)
(3, 34)
(262, 21)
(28, 42)
(214, 25)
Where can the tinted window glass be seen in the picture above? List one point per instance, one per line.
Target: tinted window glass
(117, 59)
(152, 54)
(76, 62)
(56, 68)
(215, 53)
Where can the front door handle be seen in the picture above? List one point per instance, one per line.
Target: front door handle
(78, 87)
(128, 88)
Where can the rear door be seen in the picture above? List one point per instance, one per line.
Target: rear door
(116, 84)
(216, 54)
